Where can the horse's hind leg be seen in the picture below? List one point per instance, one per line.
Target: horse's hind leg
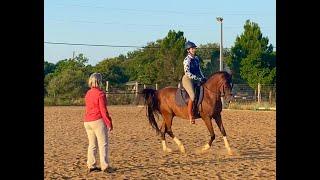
(223, 132)
(163, 130)
(169, 131)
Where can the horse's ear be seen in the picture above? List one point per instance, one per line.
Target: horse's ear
(229, 71)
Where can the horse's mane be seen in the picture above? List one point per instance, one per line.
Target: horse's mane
(219, 72)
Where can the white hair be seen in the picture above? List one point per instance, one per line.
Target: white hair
(95, 80)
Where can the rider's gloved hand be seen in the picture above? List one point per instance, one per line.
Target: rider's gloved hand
(203, 80)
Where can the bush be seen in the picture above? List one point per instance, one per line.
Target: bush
(249, 105)
(112, 99)
(121, 99)
(50, 101)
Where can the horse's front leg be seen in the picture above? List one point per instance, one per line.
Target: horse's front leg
(223, 132)
(207, 121)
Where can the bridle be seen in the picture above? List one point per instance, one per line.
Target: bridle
(214, 92)
(219, 94)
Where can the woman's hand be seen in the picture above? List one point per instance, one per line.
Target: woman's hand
(111, 127)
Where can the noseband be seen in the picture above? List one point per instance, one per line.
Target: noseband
(214, 92)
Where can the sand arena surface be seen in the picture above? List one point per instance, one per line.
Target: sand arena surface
(136, 151)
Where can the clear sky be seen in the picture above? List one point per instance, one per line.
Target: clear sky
(137, 22)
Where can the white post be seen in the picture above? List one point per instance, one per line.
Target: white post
(270, 97)
(259, 92)
(156, 86)
(137, 88)
(107, 86)
(220, 19)
(144, 86)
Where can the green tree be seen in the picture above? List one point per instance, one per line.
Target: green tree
(79, 62)
(112, 70)
(68, 78)
(171, 55)
(209, 57)
(141, 64)
(68, 84)
(251, 58)
(48, 67)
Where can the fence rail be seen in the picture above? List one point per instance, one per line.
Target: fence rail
(243, 93)
(130, 94)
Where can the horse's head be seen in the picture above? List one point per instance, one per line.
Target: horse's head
(225, 86)
(222, 81)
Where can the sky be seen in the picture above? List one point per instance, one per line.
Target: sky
(136, 23)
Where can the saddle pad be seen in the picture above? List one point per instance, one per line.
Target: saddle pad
(182, 97)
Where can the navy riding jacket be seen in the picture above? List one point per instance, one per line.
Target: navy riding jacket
(192, 68)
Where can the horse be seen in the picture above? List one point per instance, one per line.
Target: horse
(162, 102)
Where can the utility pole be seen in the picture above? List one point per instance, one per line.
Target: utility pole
(220, 19)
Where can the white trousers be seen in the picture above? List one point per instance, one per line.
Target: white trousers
(97, 135)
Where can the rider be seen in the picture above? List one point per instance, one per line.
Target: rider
(192, 74)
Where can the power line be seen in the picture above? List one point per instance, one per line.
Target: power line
(104, 45)
(199, 26)
(200, 12)
(107, 45)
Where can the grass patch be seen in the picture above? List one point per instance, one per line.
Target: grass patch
(49, 101)
(251, 106)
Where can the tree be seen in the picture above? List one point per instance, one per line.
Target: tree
(79, 62)
(48, 67)
(68, 78)
(252, 59)
(171, 55)
(69, 83)
(112, 71)
(209, 56)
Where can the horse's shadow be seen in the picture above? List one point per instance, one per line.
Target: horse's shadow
(249, 155)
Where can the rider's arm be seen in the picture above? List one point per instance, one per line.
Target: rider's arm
(202, 76)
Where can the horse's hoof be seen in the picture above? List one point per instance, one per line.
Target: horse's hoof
(167, 150)
(182, 150)
(205, 148)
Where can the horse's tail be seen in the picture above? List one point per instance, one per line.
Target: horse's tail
(152, 107)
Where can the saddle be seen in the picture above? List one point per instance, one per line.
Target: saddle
(182, 98)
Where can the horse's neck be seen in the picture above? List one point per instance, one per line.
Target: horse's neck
(213, 85)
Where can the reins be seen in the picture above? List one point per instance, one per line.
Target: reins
(211, 90)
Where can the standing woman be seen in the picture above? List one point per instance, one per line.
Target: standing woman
(97, 123)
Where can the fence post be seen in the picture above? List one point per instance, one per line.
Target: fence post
(259, 92)
(270, 97)
(144, 86)
(255, 94)
(156, 86)
(107, 88)
(137, 89)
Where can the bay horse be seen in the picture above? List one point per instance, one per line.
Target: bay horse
(162, 102)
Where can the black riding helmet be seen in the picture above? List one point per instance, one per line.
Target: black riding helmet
(189, 44)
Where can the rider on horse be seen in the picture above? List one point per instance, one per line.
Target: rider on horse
(192, 74)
